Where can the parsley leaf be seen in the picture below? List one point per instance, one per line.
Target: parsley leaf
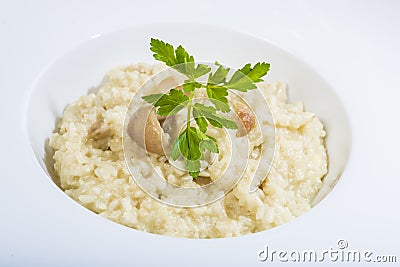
(192, 143)
(202, 113)
(190, 86)
(201, 70)
(163, 52)
(152, 99)
(182, 56)
(218, 96)
(245, 78)
(219, 75)
(178, 59)
(169, 104)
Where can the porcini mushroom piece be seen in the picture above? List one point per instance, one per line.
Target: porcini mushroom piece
(202, 180)
(166, 84)
(247, 118)
(145, 130)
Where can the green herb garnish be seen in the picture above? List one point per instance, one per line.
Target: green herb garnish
(193, 141)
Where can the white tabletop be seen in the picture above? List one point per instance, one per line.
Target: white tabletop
(354, 45)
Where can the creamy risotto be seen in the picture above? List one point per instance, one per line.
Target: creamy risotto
(90, 162)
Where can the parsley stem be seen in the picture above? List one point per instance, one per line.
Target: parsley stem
(189, 109)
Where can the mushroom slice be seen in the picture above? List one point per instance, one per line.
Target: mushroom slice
(247, 118)
(145, 130)
(202, 180)
(166, 84)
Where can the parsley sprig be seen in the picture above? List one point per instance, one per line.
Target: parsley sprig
(193, 142)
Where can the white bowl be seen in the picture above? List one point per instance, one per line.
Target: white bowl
(83, 68)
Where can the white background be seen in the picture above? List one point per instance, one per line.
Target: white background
(355, 45)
